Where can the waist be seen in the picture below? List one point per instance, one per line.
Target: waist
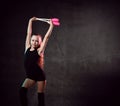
(31, 66)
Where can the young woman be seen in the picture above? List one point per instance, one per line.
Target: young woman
(34, 63)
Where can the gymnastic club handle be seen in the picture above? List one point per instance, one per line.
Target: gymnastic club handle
(55, 21)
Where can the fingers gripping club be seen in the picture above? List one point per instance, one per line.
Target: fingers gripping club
(55, 21)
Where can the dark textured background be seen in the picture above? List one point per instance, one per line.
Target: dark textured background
(82, 58)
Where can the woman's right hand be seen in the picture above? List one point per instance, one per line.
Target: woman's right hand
(50, 22)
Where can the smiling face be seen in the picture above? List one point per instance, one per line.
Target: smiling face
(36, 41)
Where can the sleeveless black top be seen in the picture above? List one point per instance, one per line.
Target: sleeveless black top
(33, 70)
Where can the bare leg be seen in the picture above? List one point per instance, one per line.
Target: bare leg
(28, 83)
(41, 86)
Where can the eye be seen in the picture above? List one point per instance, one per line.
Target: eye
(37, 41)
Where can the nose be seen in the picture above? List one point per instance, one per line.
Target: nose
(33, 42)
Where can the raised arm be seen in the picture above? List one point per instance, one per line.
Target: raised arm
(29, 33)
(46, 38)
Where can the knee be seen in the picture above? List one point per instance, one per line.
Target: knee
(41, 89)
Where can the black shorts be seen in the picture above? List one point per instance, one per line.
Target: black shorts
(36, 74)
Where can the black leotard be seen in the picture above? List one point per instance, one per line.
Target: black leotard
(33, 70)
